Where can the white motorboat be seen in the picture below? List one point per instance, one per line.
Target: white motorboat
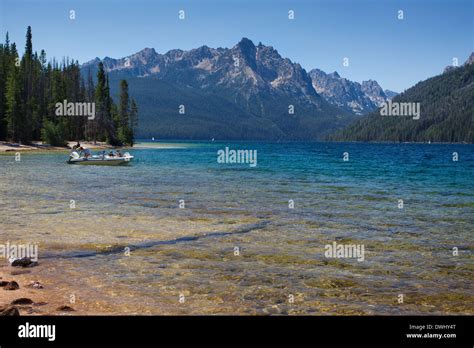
(102, 159)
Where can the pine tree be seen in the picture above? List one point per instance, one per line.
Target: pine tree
(13, 104)
(124, 131)
(133, 120)
(124, 104)
(91, 125)
(27, 119)
(103, 107)
(100, 99)
(4, 68)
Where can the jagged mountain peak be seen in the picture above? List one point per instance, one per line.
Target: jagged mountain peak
(247, 51)
(371, 84)
(246, 43)
(145, 56)
(349, 95)
(390, 94)
(372, 87)
(375, 93)
(147, 51)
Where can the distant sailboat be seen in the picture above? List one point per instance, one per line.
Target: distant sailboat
(152, 138)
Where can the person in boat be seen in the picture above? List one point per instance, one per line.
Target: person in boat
(85, 152)
(119, 154)
(77, 146)
(111, 154)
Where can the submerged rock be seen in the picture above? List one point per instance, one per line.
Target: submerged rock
(65, 309)
(35, 285)
(13, 285)
(10, 311)
(22, 301)
(24, 262)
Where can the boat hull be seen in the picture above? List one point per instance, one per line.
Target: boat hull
(100, 162)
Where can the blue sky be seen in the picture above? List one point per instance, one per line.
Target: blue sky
(396, 53)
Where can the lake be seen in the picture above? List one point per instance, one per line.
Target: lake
(179, 232)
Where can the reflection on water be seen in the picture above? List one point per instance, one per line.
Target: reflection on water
(236, 247)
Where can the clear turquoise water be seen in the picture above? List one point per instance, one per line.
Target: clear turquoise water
(408, 250)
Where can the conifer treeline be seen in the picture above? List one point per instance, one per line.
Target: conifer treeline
(30, 88)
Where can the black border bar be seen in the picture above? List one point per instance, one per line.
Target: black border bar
(239, 330)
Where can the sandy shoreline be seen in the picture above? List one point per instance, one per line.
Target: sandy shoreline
(46, 299)
(39, 146)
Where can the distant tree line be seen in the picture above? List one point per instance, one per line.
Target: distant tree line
(447, 113)
(31, 88)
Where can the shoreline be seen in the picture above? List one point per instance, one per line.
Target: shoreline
(37, 146)
(11, 148)
(7, 147)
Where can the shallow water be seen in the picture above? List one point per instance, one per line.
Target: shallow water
(191, 251)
